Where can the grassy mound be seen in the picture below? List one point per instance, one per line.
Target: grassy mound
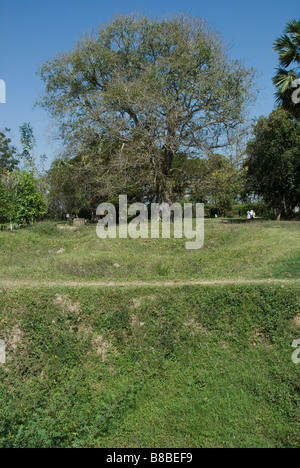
(252, 251)
(186, 367)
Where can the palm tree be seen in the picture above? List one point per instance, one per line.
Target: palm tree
(288, 46)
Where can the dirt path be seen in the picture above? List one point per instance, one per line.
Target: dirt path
(12, 284)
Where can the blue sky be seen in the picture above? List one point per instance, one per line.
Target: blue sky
(32, 31)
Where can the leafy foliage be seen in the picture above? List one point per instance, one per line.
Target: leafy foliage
(217, 182)
(5, 204)
(8, 155)
(31, 163)
(273, 161)
(29, 203)
(28, 143)
(288, 47)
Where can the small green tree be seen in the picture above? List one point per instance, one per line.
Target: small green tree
(28, 143)
(31, 163)
(29, 203)
(8, 157)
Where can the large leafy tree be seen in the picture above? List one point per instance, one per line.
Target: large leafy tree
(132, 98)
(273, 164)
(288, 47)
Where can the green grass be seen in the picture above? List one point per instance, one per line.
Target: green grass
(251, 251)
(193, 367)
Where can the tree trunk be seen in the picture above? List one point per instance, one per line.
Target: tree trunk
(164, 185)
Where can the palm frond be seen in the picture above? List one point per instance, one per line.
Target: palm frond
(288, 51)
(283, 80)
(293, 27)
(288, 46)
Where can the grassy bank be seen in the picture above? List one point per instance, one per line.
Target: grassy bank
(252, 251)
(183, 367)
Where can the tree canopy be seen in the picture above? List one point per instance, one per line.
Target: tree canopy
(133, 97)
(273, 163)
